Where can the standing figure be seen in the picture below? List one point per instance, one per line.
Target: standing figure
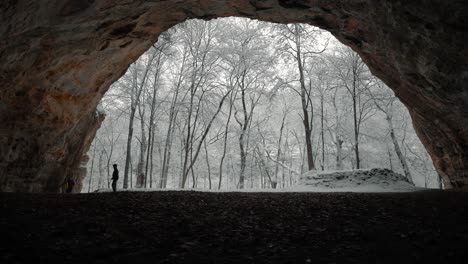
(68, 185)
(115, 177)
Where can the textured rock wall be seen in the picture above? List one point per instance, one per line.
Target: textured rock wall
(58, 57)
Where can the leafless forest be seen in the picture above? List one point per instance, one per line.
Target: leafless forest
(241, 104)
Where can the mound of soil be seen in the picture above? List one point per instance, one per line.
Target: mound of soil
(373, 180)
(197, 227)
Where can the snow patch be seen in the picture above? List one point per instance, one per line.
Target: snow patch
(364, 180)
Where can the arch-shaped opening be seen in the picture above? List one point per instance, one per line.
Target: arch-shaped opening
(176, 118)
(58, 62)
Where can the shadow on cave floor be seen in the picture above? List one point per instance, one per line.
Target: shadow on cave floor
(197, 227)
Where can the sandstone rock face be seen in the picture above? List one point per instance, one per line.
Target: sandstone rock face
(58, 57)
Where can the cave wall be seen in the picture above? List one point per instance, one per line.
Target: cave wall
(58, 58)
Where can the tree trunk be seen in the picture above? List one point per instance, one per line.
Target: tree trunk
(356, 129)
(188, 140)
(338, 139)
(151, 121)
(322, 134)
(244, 126)
(390, 158)
(129, 147)
(101, 155)
(304, 101)
(92, 167)
(135, 101)
(167, 156)
(265, 168)
(109, 157)
(396, 145)
(141, 177)
(131, 174)
(278, 153)
(339, 153)
(208, 166)
(151, 158)
(441, 186)
(171, 128)
(226, 131)
(205, 133)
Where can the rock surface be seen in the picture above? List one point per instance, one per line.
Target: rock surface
(58, 57)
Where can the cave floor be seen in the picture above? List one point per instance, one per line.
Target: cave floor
(198, 227)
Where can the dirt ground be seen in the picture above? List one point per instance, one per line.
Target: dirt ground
(195, 227)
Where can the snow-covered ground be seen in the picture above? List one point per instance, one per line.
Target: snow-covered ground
(366, 180)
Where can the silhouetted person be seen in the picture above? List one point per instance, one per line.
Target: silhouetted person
(70, 185)
(115, 177)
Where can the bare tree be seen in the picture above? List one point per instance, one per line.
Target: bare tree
(205, 133)
(162, 46)
(226, 132)
(92, 166)
(384, 103)
(198, 37)
(135, 91)
(354, 76)
(293, 37)
(280, 140)
(173, 112)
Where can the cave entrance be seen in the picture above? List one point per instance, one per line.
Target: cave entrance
(224, 104)
(58, 60)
